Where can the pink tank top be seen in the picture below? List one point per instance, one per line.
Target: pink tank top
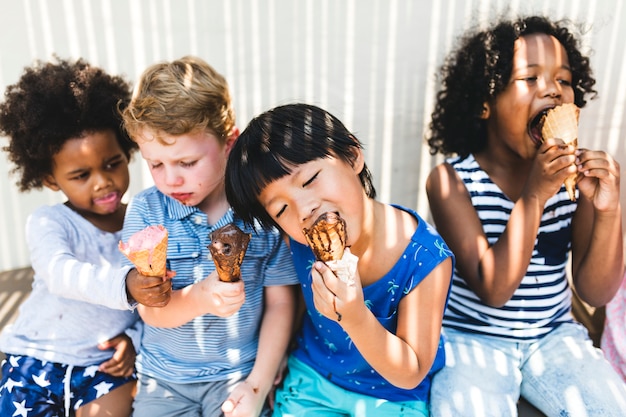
(613, 341)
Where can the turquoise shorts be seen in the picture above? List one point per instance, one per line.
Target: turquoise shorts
(306, 393)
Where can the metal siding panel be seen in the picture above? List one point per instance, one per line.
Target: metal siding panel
(370, 62)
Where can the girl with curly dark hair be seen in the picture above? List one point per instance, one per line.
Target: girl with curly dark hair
(71, 346)
(500, 204)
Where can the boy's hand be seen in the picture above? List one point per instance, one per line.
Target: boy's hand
(245, 400)
(122, 364)
(223, 298)
(149, 291)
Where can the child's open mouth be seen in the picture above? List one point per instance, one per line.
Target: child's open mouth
(535, 125)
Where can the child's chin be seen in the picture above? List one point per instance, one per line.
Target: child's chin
(108, 209)
(536, 141)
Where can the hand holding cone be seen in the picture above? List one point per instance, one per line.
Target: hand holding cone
(147, 250)
(562, 122)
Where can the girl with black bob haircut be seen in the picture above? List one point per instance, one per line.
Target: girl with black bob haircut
(372, 338)
(285, 146)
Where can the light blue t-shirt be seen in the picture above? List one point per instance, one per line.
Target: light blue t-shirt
(208, 348)
(78, 297)
(326, 347)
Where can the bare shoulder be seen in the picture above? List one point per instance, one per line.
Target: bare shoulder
(392, 225)
(445, 188)
(405, 223)
(450, 204)
(442, 177)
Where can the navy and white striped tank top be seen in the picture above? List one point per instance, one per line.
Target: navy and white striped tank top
(543, 299)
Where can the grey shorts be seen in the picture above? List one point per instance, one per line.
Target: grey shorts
(157, 398)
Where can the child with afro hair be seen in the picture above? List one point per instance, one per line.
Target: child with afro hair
(72, 347)
(500, 204)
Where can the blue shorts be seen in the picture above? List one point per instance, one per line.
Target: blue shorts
(32, 387)
(305, 393)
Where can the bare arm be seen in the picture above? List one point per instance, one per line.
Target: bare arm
(276, 327)
(597, 247)
(404, 358)
(274, 337)
(492, 272)
(495, 271)
(209, 296)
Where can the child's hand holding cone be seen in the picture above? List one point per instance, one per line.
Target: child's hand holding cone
(149, 282)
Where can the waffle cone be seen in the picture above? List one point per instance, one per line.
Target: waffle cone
(570, 182)
(327, 237)
(147, 250)
(562, 122)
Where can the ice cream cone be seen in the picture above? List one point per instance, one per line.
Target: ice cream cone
(327, 237)
(228, 247)
(147, 250)
(562, 122)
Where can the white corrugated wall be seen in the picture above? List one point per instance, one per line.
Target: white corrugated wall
(370, 62)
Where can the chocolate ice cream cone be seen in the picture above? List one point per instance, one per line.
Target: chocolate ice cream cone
(328, 238)
(228, 247)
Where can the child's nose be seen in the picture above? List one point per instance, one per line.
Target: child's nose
(308, 213)
(102, 181)
(172, 177)
(551, 89)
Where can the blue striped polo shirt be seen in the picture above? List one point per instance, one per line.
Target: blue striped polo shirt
(543, 299)
(208, 348)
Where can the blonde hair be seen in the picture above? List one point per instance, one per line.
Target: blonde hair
(180, 97)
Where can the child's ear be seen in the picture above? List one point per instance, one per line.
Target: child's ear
(231, 138)
(486, 111)
(50, 182)
(358, 159)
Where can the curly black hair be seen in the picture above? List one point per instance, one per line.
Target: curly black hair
(480, 68)
(54, 102)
